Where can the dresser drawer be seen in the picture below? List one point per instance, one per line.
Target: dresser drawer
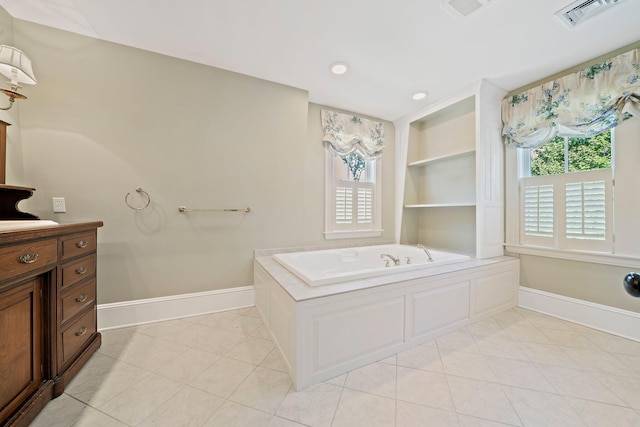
(77, 298)
(19, 259)
(77, 334)
(77, 244)
(74, 271)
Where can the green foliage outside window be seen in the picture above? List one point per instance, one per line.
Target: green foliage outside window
(356, 165)
(584, 154)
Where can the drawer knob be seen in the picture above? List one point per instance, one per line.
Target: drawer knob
(82, 298)
(81, 270)
(27, 258)
(82, 331)
(81, 244)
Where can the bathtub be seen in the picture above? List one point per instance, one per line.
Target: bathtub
(330, 266)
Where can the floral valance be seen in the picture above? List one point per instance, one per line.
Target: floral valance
(346, 134)
(584, 103)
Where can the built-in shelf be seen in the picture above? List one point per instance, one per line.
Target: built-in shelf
(440, 205)
(451, 173)
(445, 157)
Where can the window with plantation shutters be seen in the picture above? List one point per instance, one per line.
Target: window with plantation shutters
(568, 211)
(352, 199)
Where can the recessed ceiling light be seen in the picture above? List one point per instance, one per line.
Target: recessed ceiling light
(339, 68)
(419, 95)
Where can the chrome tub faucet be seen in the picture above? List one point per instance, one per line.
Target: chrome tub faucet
(396, 260)
(426, 251)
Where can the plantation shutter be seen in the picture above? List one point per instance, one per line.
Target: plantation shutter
(585, 210)
(365, 205)
(588, 211)
(344, 205)
(538, 211)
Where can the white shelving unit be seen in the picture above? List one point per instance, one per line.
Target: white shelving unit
(450, 174)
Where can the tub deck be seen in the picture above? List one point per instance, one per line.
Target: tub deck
(325, 331)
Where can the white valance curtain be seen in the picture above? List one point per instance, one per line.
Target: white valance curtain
(346, 134)
(581, 104)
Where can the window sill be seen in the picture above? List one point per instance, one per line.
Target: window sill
(335, 235)
(573, 255)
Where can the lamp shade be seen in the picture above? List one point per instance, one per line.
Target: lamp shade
(15, 64)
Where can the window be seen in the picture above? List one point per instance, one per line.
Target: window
(566, 199)
(352, 196)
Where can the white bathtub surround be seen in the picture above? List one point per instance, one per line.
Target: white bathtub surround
(324, 331)
(328, 266)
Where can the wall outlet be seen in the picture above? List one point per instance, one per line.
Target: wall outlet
(58, 205)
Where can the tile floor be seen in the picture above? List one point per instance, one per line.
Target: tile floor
(518, 368)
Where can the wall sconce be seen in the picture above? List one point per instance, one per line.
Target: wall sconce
(16, 66)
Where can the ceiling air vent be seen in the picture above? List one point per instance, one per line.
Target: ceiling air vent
(463, 7)
(580, 10)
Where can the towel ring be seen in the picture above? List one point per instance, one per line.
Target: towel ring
(139, 190)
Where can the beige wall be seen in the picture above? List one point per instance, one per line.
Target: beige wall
(106, 118)
(597, 283)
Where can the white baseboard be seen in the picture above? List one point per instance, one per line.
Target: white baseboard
(597, 316)
(137, 312)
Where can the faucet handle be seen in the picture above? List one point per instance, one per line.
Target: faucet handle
(408, 260)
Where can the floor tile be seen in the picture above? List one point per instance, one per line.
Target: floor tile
(223, 377)
(537, 408)
(549, 354)
(626, 388)
(138, 401)
(577, 383)
(597, 414)
(60, 412)
(187, 366)
(421, 357)
(516, 368)
(460, 340)
(314, 406)
(274, 361)
(188, 407)
(482, 399)
(412, 415)
(250, 350)
(568, 338)
(501, 346)
(234, 415)
(376, 378)
(99, 389)
(467, 421)
(467, 365)
(358, 409)
(519, 373)
(281, 422)
(424, 388)
(263, 389)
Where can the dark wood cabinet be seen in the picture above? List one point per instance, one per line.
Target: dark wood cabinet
(48, 327)
(21, 345)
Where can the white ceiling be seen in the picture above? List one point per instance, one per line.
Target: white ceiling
(393, 47)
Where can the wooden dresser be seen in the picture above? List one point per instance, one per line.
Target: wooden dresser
(48, 326)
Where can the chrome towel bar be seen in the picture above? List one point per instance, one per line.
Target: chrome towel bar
(183, 209)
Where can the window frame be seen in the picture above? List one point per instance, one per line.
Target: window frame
(333, 230)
